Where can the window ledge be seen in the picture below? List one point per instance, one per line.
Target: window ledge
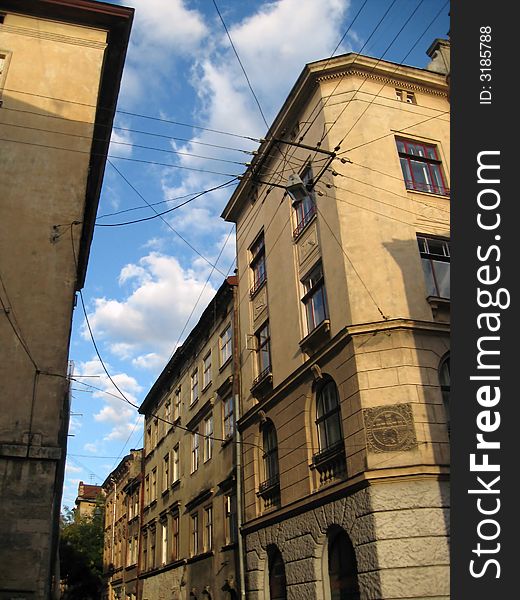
(255, 289)
(176, 483)
(262, 384)
(206, 388)
(200, 556)
(227, 440)
(447, 195)
(316, 337)
(440, 306)
(225, 364)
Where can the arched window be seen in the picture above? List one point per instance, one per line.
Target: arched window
(342, 567)
(328, 416)
(270, 456)
(277, 581)
(445, 381)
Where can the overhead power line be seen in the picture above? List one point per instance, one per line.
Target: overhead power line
(241, 65)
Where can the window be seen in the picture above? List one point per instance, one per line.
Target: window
(164, 544)
(154, 486)
(314, 299)
(151, 556)
(194, 386)
(136, 548)
(435, 255)
(155, 432)
(263, 350)
(194, 534)
(208, 529)
(5, 57)
(136, 503)
(147, 490)
(149, 446)
(206, 374)
(177, 404)
(208, 438)
(175, 464)
(130, 552)
(445, 381)
(230, 514)
(145, 551)
(305, 209)
(229, 426)
(328, 416)
(168, 414)
(257, 264)
(166, 472)
(421, 167)
(342, 567)
(270, 456)
(404, 96)
(225, 345)
(194, 451)
(175, 540)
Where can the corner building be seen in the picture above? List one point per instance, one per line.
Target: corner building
(344, 318)
(189, 516)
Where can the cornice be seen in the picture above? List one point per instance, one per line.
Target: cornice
(53, 37)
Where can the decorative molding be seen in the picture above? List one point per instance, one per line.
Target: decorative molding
(388, 80)
(390, 428)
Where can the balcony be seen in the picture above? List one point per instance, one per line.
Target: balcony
(263, 383)
(427, 188)
(331, 463)
(302, 225)
(269, 491)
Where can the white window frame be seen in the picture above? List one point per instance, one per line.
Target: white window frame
(228, 416)
(206, 371)
(208, 529)
(194, 387)
(226, 345)
(195, 448)
(208, 437)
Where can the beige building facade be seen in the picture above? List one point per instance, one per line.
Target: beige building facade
(123, 511)
(343, 311)
(189, 518)
(87, 500)
(60, 61)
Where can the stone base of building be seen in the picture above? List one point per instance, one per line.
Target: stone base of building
(399, 530)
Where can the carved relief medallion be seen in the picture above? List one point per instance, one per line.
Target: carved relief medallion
(390, 428)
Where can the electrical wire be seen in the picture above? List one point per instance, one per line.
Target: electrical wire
(157, 215)
(241, 65)
(132, 114)
(162, 219)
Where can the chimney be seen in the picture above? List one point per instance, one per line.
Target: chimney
(439, 52)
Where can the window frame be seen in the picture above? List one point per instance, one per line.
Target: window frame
(206, 371)
(208, 437)
(228, 416)
(176, 470)
(305, 210)
(226, 343)
(432, 167)
(194, 542)
(261, 344)
(428, 262)
(195, 448)
(270, 462)
(166, 472)
(329, 418)
(257, 264)
(208, 529)
(312, 290)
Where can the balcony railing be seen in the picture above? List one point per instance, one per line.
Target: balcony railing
(331, 463)
(429, 188)
(257, 285)
(269, 491)
(307, 218)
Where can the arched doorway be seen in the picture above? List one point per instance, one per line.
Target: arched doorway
(277, 580)
(342, 566)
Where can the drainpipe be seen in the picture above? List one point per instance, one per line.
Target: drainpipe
(238, 442)
(113, 535)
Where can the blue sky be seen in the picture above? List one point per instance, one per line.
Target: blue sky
(145, 279)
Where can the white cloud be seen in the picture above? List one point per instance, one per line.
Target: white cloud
(72, 468)
(151, 317)
(120, 143)
(91, 447)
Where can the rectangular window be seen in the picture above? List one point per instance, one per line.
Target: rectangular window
(225, 345)
(164, 543)
(168, 414)
(194, 534)
(175, 464)
(130, 508)
(149, 446)
(194, 386)
(304, 210)
(153, 489)
(151, 558)
(206, 374)
(177, 404)
(257, 264)
(229, 425)
(435, 255)
(314, 298)
(155, 432)
(263, 350)
(147, 490)
(230, 513)
(136, 503)
(422, 168)
(404, 96)
(145, 552)
(166, 472)
(208, 438)
(175, 540)
(130, 552)
(208, 529)
(194, 451)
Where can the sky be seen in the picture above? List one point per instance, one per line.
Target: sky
(185, 124)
